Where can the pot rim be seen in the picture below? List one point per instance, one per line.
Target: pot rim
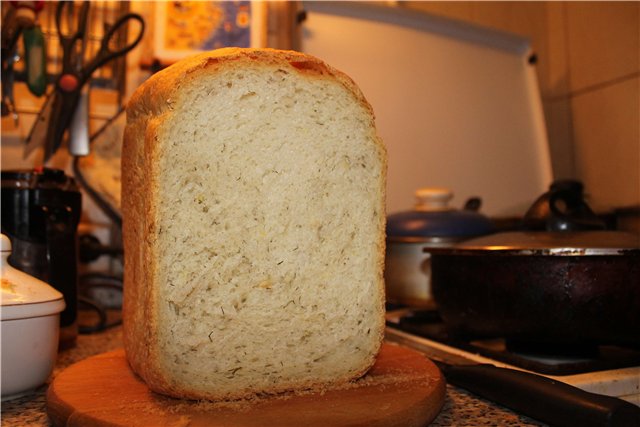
(564, 243)
(506, 251)
(21, 311)
(425, 240)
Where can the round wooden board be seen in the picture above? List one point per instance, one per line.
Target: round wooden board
(403, 388)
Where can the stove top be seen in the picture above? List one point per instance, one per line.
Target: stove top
(603, 369)
(556, 360)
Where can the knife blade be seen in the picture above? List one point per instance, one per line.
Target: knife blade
(536, 396)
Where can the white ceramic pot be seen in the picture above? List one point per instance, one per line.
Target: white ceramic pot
(432, 223)
(30, 322)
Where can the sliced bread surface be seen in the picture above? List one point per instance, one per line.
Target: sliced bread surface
(253, 215)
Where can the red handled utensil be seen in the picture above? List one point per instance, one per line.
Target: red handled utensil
(59, 109)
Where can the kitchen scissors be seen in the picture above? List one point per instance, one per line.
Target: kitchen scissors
(55, 117)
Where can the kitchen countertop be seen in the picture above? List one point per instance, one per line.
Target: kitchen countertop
(461, 408)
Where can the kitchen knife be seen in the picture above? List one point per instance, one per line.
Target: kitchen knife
(536, 396)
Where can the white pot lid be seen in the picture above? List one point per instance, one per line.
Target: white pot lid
(23, 295)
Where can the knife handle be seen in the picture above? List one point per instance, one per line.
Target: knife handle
(543, 398)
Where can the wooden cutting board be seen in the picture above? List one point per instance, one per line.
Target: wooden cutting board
(403, 388)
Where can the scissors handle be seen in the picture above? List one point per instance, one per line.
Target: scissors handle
(70, 83)
(106, 54)
(81, 26)
(73, 34)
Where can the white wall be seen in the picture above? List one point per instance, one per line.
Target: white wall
(457, 106)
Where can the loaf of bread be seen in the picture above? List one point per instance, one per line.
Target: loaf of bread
(253, 226)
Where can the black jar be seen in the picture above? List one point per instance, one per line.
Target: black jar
(41, 210)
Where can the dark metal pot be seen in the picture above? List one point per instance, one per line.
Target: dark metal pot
(569, 289)
(564, 281)
(431, 224)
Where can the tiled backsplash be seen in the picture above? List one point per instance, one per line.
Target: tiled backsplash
(603, 51)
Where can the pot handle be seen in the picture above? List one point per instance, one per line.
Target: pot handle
(569, 212)
(473, 204)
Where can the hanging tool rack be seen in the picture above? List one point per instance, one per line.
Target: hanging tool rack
(102, 14)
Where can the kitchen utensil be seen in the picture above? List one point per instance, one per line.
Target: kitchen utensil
(11, 32)
(432, 223)
(40, 214)
(8, 100)
(72, 59)
(30, 326)
(35, 60)
(20, 19)
(542, 398)
(26, 11)
(551, 290)
(38, 132)
(79, 128)
(403, 388)
(71, 81)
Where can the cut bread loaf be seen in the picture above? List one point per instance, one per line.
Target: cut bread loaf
(253, 226)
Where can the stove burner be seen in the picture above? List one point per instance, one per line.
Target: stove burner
(556, 360)
(552, 349)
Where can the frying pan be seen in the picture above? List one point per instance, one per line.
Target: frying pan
(540, 289)
(563, 282)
